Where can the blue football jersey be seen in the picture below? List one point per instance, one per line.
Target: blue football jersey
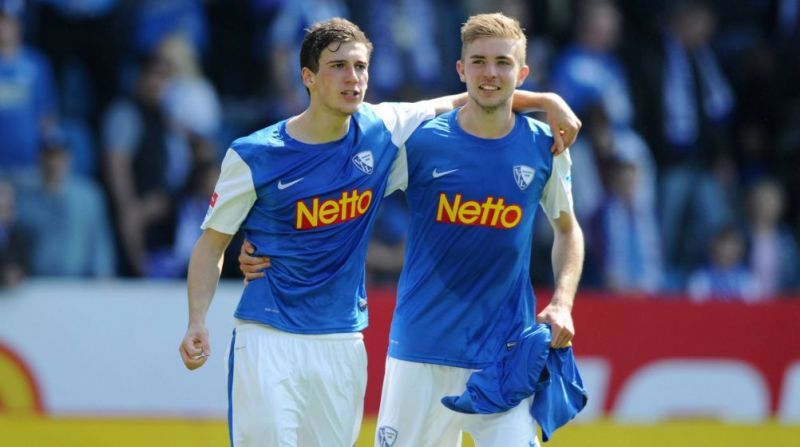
(310, 208)
(465, 288)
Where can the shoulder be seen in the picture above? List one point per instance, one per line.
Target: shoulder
(391, 113)
(264, 141)
(538, 131)
(536, 127)
(437, 127)
(442, 124)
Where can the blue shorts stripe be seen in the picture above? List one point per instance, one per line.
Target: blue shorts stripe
(230, 388)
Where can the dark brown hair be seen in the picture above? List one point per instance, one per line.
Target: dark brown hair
(322, 34)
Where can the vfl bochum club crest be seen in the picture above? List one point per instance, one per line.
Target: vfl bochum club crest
(386, 436)
(363, 161)
(523, 175)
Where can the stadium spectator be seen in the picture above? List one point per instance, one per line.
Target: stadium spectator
(27, 97)
(81, 243)
(725, 276)
(143, 170)
(588, 71)
(626, 240)
(689, 103)
(190, 101)
(772, 248)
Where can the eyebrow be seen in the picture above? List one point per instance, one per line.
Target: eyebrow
(344, 61)
(501, 57)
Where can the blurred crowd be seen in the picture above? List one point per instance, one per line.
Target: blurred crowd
(115, 115)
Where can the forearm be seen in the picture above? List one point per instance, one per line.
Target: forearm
(205, 267)
(567, 258)
(445, 104)
(527, 101)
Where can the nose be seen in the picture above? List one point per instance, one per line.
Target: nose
(491, 71)
(351, 75)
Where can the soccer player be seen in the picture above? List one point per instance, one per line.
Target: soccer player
(306, 189)
(474, 178)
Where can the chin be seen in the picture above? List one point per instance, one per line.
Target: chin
(349, 110)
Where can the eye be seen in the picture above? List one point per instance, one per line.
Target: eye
(338, 65)
(504, 63)
(361, 67)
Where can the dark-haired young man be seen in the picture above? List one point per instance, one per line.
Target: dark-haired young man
(307, 189)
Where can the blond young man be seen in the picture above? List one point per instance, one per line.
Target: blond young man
(306, 191)
(474, 178)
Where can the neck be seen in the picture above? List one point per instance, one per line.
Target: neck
(486, 123)
(314, 126)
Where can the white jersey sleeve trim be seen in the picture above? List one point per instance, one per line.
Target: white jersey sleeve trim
(398, 175)
(402, 118)
(557, 193)
(234, 194)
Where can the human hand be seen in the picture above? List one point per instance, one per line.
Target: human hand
(562, 328)
(195, 348)
(564, 124)
(252, 267)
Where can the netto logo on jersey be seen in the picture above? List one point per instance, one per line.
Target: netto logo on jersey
(350, 205)
(489, 213)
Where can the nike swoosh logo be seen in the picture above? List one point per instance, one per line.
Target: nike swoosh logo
(437, 174)
(283, 186)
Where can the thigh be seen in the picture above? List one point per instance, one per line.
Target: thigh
(263, 394)
(513, 428)
(411, 413)
(335, 380)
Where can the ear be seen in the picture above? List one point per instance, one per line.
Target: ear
(524, 71)
(460, 70)
(309, 77)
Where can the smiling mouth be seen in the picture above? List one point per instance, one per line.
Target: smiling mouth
(351, 93)
(489, 88)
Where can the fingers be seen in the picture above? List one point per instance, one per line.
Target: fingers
(558, 143)
(566, 135)
(194, 351)
(248, 247)
(570, 135)
(252, 272)
(561, 336)
(252, 267)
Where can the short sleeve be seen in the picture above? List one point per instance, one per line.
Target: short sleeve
(557, 193)
(233, 196)
(398, 173)
(403, 118)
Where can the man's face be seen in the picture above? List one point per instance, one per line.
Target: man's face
(491, 68)
(341, 81)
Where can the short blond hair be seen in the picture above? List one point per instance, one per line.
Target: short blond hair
(492, 25)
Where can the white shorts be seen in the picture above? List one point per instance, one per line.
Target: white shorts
(295, 390)
(412, 414)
